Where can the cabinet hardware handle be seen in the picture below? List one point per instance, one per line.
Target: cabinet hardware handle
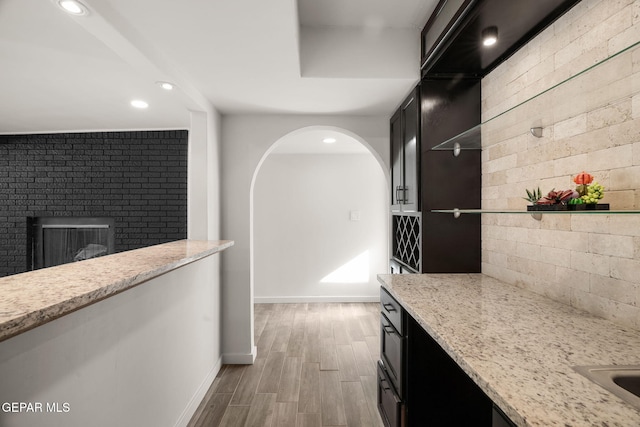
(383, 380)
(398, 190)
(387, 305)
(389, 329)
(404, 194)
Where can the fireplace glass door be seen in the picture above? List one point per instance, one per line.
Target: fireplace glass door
(62, 240)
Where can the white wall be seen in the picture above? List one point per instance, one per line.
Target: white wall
(341, 52)
(144, 357)
(306, 247)
(203, 207)
(246, 140)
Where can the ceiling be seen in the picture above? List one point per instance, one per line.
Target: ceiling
(312, 142)
(66, 73)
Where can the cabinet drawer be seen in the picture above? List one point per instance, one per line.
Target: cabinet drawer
(389, 403)
(392, 350)
(392, 311)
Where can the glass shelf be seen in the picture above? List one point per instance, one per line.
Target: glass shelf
(457, 212)
(564, 100)
(467, 140)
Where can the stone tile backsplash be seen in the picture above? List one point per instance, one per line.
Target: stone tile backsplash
(593, 124)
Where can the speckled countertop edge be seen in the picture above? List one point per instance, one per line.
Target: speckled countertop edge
(520, 347)
(30, 299)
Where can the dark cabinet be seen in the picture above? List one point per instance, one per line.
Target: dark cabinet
(392, 352)
(393, 311)
(405, 185)
(407, 239)
(404, 126)
(426, 242)
(392, 340)
(389, 403)
(397, 160)
(439, 392)
(392, 363)
(447, 103)
(419, 384)
(449, 244)
(451, 45)
(438, 31)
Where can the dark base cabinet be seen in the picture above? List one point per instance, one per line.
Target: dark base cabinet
(389, 403)
(419, 384)
(439, 392)
(392, 364)
(393, 347)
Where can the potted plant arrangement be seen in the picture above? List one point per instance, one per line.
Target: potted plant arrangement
(584, 197)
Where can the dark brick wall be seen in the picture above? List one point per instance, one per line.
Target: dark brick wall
(137, 178)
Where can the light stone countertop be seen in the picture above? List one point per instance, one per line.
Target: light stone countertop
(519, 347)
(30, 299)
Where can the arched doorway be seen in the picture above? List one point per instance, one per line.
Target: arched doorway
(319, 219)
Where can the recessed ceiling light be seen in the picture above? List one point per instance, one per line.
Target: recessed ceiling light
(73, 7)
(138, 103)
(165, 85)
(490, 36)
(329, 140)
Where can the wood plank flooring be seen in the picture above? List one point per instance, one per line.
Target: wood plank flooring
(315, 367)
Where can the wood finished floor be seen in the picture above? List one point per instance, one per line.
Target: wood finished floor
(316, 366)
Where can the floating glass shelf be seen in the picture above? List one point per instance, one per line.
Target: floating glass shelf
(564, 100)
(467, 140)
(457, 212)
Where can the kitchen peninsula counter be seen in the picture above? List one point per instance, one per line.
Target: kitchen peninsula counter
(34, 298)
(519, 347)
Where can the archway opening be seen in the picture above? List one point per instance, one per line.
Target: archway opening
(319, 219)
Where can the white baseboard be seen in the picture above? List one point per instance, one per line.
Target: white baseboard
(303, 299)
(240, 358)
(197, 397)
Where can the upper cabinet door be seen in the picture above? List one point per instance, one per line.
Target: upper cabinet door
(405, 155)
(411, 201)
(397, 155)
(441, 26)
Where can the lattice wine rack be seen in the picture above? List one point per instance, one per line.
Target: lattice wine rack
(406, 240)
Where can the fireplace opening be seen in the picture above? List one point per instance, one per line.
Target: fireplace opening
(60, 240)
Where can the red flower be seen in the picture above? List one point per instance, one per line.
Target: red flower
(583, 178)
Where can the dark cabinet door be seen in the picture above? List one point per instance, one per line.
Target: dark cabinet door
(397, 173)
(439, 392)
(405, 162)
(442, 24)
(410, 146)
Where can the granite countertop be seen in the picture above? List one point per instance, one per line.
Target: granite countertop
(31, 299)
(519, 347)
